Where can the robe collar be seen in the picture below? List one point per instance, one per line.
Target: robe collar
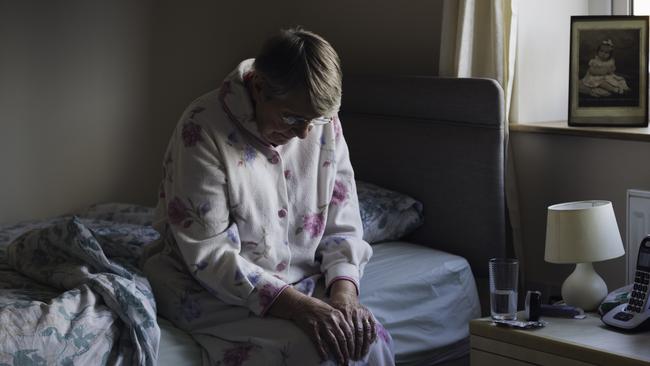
(237, 102)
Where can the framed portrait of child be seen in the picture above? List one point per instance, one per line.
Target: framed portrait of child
(608, 73)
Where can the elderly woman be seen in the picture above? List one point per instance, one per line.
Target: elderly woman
(261, 246)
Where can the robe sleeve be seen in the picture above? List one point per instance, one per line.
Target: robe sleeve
(195, 189)
(342, 249)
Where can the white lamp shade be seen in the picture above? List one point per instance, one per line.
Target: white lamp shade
(579, 232)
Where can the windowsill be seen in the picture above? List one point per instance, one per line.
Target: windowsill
(561, 128)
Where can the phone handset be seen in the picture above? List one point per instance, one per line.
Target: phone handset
(636, 312)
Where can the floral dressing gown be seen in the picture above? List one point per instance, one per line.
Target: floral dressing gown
(241, 220)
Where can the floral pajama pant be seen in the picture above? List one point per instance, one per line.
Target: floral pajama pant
(232, 335)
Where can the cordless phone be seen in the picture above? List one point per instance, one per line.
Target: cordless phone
(635, 314)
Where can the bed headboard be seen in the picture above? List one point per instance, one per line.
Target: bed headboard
(442, 141)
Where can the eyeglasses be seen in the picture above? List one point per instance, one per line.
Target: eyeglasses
(297, 121)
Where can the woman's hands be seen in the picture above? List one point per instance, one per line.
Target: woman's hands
(359, 318)
(343, 328)
(327, 327)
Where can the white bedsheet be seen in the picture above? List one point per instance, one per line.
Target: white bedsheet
(424, 297)
(177, 348)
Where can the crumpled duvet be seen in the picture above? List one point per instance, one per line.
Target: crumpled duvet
(70, 294)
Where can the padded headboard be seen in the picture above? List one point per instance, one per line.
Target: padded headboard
(442, 141)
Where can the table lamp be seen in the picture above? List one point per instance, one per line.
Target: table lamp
(582, 232)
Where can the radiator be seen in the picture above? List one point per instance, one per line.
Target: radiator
(638, 226)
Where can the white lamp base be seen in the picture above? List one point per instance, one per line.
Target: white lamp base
(584, 288)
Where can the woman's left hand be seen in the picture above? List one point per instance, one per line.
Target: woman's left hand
(343, 297)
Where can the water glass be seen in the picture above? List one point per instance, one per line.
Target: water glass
(503, 288)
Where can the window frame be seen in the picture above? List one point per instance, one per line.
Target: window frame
(622, 7)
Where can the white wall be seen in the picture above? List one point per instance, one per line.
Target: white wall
(558, 168)
(196, 45)
(541, 90)
(73, 92)
(542, 67)
(90, 90)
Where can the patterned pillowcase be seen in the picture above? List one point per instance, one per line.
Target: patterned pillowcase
(120, 212)
(387, 215)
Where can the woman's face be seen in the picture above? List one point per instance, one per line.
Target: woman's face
(269, 113)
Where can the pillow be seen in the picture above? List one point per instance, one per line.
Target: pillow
(387, 215)
(119, 212)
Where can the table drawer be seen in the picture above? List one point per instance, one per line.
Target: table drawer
(480, 358)
(524, 356)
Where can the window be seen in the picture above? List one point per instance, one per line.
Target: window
(632, 7)
(641, 7)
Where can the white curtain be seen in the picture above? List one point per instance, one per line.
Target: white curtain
(479, 39)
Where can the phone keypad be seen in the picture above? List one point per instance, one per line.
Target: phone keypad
(639, 291)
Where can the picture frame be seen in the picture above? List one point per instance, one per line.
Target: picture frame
(608, 72)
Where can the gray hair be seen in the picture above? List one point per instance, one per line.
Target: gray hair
(297, 60)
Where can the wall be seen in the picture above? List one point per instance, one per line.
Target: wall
(542, 66)
(90, 90)
(198, 44)
(558, 168)
(73, 78)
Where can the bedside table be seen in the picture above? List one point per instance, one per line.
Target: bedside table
(563, 342)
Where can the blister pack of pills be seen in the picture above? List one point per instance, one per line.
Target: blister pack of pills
(521, 324)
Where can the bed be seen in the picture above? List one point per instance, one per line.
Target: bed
(439, 141)
(442, 141)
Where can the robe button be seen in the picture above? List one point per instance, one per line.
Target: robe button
(282, 213)
(274, 159)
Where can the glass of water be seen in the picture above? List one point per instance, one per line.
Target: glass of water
(503, 288)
